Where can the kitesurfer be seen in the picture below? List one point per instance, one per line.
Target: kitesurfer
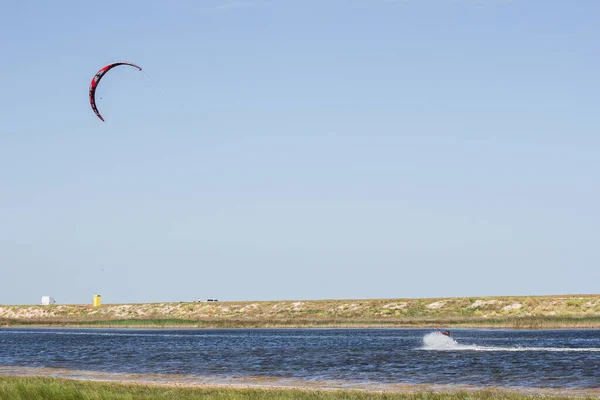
(445, 333)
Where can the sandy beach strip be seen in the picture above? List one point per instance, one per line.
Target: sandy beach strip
(275, 383)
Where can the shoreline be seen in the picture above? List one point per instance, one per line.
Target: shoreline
(574, 324)
(500, 312)
(274, 383)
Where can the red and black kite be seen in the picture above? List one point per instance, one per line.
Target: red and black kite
(96, 80)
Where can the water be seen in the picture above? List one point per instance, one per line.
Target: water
(555, 359)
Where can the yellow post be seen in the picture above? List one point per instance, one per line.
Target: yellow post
(97, 300)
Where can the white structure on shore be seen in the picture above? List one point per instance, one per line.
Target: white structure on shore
(47, 300)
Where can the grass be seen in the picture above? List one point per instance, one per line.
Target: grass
(527, 312)
(516, 322)
(43, 388)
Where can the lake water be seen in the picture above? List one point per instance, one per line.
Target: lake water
(514, 358)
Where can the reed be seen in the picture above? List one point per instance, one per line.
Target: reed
(515, 322)
(43, 388)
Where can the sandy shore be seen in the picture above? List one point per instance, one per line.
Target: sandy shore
(267, 383)
(531, 312)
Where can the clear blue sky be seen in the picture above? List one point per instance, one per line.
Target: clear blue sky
(299, 149)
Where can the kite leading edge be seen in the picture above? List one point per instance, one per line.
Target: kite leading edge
(96, 80)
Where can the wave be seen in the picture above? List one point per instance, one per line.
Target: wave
(438, 342)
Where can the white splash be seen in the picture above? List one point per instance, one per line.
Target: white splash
(438, 342)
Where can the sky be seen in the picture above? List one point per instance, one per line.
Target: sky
(297, 150)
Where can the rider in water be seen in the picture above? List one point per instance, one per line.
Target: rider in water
(445, 333)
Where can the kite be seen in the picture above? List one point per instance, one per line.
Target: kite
(96, 80)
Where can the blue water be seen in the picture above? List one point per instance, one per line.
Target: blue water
(550, 358)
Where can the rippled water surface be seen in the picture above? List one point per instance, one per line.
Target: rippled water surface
(560, 359)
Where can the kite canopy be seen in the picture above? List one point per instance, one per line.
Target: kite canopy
(96, 80)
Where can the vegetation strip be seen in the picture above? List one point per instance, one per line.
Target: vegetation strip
(34, 388)
(541, 312)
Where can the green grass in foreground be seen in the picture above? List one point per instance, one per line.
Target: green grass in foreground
(38, 388)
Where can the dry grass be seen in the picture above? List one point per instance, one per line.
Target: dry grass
(569, 311)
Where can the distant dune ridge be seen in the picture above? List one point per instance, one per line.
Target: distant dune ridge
(560, 311)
